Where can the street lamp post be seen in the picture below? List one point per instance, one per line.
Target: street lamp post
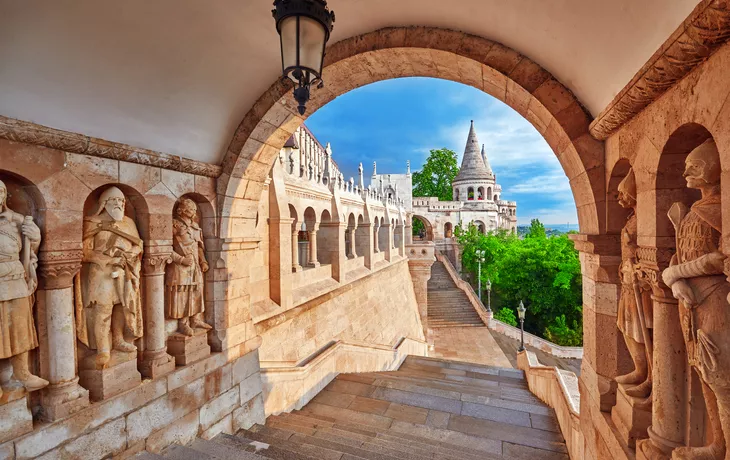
(480, 258)
(489, 295)
(521, 313)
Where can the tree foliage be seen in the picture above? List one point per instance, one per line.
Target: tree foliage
(543, 272)
(506, 315)
(435, 178)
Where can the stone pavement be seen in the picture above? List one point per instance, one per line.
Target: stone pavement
(469, 344)
(428, 409)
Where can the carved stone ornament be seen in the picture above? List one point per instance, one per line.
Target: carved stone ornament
(58, 268)
(697, 279)
(108, 301)
(155, 264)
(185, 282)
(20, 238)
(706, 30)
(30, 133)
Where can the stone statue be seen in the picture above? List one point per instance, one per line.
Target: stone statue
(109, 308)
(634, 314)
(184, 281)
(695, 276)
(19, 242)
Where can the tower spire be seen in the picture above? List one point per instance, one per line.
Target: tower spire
(486, 161)
(472, 165)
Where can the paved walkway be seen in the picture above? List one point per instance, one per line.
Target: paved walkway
(469, 344)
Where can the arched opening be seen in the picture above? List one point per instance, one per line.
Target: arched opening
(470, 193)
(456, 194)
(489, 194)
(422, 229)
(306, 235)
(481, 227)
(448, 230)
(480, 193)
(383, 235)
(298, 253)
(350, 249)
(362, 237)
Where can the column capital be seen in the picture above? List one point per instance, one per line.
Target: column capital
(154, 264)
(650, 264)
(58, 268)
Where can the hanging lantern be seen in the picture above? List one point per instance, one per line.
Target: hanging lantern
(304, 28)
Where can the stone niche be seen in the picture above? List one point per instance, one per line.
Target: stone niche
(135, 398)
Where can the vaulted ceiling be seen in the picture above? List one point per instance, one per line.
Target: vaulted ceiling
(177, 76)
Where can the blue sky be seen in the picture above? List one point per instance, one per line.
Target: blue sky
(397, 120)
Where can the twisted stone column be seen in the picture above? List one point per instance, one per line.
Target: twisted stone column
(155, 360)
(63, 396)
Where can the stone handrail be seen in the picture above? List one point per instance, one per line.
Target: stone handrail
(559, 390)
(503, 328)
(288, 385)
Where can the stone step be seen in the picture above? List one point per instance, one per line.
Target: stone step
(220, 450)
(319, 448)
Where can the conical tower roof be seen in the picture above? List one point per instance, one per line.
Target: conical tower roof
(486, 161)
(472, 165)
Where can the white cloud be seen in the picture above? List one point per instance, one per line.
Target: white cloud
(558, 215)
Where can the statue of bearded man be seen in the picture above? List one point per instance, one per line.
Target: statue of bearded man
(184, 282)
(19, 242)
(696, 278)
(110, 302)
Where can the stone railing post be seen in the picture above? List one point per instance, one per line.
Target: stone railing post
(280, 265)
(155, 360)
(63, 396)
(420, 259)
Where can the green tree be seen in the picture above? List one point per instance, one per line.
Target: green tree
(507, 316)
(543, 272)
(435, 178)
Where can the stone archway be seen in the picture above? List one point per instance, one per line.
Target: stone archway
(428, 52)
(428, 227)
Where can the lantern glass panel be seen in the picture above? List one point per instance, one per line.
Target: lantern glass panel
(289, 43)
(311, 44)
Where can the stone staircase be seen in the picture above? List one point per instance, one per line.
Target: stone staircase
(428, 409)
(448, 306)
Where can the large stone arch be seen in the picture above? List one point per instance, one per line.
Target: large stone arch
(428, 52)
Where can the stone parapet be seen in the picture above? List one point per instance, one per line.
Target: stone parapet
(290, 386)
(559, 390)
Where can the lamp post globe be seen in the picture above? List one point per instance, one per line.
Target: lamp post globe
(304, 28)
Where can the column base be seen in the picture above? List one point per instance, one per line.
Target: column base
(655, 448)
(15, 417)
(188, 349)
(630, 418)
(314, 264)
(120, 376)
(352, 256)
(156, 364)
(296, 268)
(62, 400)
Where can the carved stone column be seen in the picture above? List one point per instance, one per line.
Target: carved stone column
(295, 267)
(353, 249)
(669, 367)
(63, 396)
(313, 262)
(155, 360)
(420, 258)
